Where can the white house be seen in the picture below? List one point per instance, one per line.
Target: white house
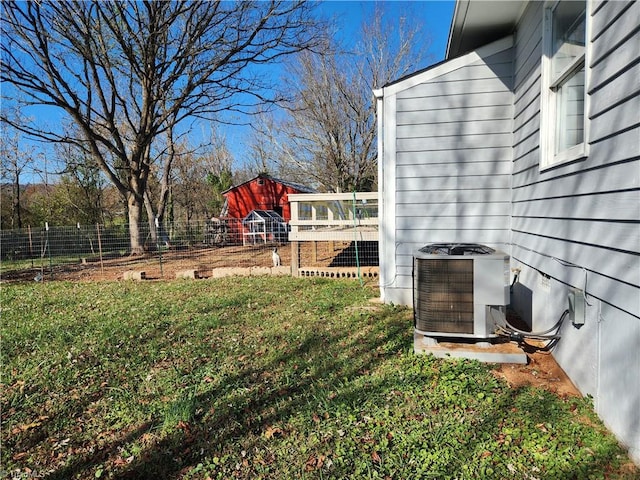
(527, 139)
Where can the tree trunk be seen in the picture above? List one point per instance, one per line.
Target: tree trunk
(135, 210)
(151, 218)
(16, 217)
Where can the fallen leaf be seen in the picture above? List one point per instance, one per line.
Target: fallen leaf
(28, 426)
(272, 431)
(542, 427)
(314, 463)
(375, 457)
(62, 443)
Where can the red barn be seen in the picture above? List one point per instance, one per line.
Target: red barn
(260, 193)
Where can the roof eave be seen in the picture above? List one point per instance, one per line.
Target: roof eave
(479, 22)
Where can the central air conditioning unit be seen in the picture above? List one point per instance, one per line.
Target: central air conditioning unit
(460, 290)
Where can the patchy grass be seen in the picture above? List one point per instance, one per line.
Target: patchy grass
(264, 378)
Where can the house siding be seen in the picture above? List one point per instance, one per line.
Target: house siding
(577, 225)
(448, 149)
(461, 162)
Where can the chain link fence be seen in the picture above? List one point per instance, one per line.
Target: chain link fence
(99, 252)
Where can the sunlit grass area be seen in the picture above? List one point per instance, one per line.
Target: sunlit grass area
(265, 378)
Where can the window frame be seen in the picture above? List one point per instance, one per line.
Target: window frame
(549, 93)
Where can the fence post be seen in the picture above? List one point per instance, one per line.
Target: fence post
(43, 247)
(100, 248)
(355, 234)
(295, 258)
(79, 243)
(30, 245)
(46, 226)
(157, 223)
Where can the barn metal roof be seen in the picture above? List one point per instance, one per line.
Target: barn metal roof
(301, 188)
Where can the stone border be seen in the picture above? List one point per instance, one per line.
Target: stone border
(134, 275)
(255, 271)
(249, 271)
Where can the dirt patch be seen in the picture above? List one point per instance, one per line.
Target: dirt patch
(541, 371)
(164, 266)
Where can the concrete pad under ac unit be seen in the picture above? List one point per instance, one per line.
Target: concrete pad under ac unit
(482, 351)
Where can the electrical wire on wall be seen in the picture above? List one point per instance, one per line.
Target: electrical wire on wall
(396, 275)
(564, 263)
(551, 335)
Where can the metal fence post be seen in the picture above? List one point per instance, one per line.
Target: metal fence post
(100, 248)
(157, 222)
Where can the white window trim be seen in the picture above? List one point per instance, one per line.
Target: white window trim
(548, 157)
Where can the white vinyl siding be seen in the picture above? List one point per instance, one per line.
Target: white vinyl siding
(460, 161)
(449, 146)
(579, 224)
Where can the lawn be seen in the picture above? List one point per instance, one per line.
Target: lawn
(264, 378)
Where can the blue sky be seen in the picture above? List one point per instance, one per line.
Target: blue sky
(434, 16)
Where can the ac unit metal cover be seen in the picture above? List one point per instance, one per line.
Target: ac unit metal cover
(459, 289)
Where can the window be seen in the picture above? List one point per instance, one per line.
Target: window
(563, 120)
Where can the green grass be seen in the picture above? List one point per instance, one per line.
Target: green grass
(264, 378)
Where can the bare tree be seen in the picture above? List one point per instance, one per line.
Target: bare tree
(125, 73)
(14, 159)
(328, 137)
(191, 182)
(82, 184)
(262, 152)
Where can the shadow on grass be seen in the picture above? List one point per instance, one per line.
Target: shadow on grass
(264, 393)
(257, 398)
(495, 436)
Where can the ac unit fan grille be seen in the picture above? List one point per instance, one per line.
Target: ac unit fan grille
(444, 295)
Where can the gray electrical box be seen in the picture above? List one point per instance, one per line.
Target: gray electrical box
(577, 306)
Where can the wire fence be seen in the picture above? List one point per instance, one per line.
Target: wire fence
(99, 252)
